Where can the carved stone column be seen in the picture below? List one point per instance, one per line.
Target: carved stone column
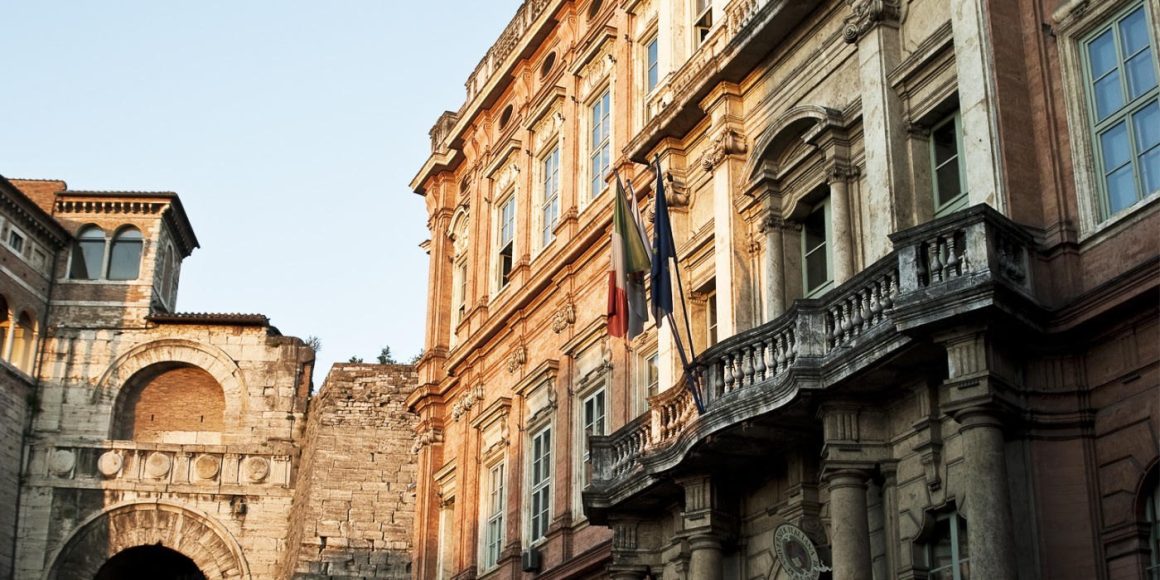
(990, 531)
(840, 223)
(775, 273)
(704, 528)
(849, 524)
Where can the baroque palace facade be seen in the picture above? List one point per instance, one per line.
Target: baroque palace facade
(138, 442)
(918, 240)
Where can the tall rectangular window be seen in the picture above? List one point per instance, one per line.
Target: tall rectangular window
(815, 251)
(550, 209)
(493, 502)
(593, 409)
(702, 20)
(1121, 74)
(650, 66)
(947, 164)
(507, 230)
(600, 147)
(711, 319)
(541, 483)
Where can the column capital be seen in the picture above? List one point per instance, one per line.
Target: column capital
(841, 172)
(841, 476)
(728, 141)
(867, 14)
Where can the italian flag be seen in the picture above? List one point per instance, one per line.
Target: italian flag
(627, 311)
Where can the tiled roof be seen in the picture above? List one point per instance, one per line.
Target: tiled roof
(209, 318)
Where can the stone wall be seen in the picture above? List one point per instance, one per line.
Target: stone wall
(13, 416)
(354, 501)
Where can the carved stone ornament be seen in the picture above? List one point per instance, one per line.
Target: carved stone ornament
(255, 469)
(564, 317)
(797, 554)
(593, 74)
(61, 462)
(518, 357)
(206, 467)
(426, 438)
(507, 177)
(466, 402)
(110, 463)
(157, 465)
(727, 142)
(547, 129)
(868, 14)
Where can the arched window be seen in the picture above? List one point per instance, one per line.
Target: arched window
(125, 257)
(88, 254)
(24, 342)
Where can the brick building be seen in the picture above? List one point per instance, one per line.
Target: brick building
(137, 437)
(919, 244)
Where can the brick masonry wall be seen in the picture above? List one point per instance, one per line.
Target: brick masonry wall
(354, 501)
(185, 399)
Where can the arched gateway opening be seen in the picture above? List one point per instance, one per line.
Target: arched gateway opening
(149, 563)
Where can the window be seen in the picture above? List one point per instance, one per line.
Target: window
(541, 483)
(948, 174)
(5, 326)
(549, 62)
(505, 117)
(815, 251)
(711, 319)
(550, 210)
(1124, 109)
(650, 67)
(16, 241)
(947, 554)
(507, 230)
(593, 410)
(702, 20)
(600, 146)
(23, 342)
(647, 381)
(125, 256)
(459, 295)
(88, 254)
(493, 502)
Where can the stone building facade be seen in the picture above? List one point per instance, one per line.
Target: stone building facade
(918, 241)
(139, 437)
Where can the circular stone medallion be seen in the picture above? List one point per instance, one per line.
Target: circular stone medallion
(206, 466)
(61, 462)
(109, 464)
(157, 465)
(256, 469)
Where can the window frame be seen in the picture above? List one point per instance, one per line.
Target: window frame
(1125, 113)
(502, 278)
(827, 246)
(493, 506)
(540, 489)
(546, 202)
(651, 47)
(78, 249)
(955, 567)
(1072, 30)
(961, 200)
(119, 237)
(597, 182)
(702, 21)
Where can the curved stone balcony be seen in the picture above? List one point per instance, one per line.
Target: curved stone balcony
(956, 266)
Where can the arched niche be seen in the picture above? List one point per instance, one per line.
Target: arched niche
(170, 402)
(195, 535)
(171, 352)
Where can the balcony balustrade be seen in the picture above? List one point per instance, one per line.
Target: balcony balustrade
(941, 269)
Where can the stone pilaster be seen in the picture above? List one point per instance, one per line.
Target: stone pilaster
(705, 527)
(873, 26)
(774, 260)
(987, 508)
(839, 176)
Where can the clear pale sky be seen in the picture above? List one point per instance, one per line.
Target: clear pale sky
(290, 129)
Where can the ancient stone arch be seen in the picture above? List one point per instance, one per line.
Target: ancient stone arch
(167, 351)
(197, 536)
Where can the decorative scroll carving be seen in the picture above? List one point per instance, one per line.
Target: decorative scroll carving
(564, 317)
(517, 358)
(839, 172)
(507, 177)
(425, 438)
(547, 129)
(466, 402)
(868, 14)
(727, 142)
(597, 69)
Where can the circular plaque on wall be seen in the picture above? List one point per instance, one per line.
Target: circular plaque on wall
(109, 464)
(157, 465)
(61, 462)
(797, 554)
(256, 469)
(206, 466)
